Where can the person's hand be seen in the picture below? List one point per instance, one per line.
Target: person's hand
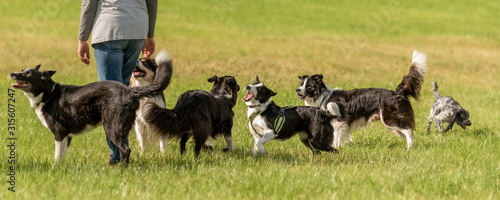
(84, 52)
(148, 48)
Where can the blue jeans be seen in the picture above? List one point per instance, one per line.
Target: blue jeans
(116, 61)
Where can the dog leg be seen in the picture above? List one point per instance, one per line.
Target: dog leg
(184, 139)
(61, 148)
(409, 137)
(255, 146)
(431, 117)
(230, 144)
(162, 142)
(304, 138)
(142, 138)
(439, 124)
(342, 134)
(450, 123)
(266, 137)
(199, 142)
(429, 125)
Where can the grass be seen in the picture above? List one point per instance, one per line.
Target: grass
(353, 44)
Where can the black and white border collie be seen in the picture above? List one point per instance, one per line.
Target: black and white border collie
(446, 110)
(70, 110)
(143, 75)
(198, 113)
(360, 107)
(269, 121)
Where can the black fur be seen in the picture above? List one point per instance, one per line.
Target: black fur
(68, 110)
(198, 113)
(311, 123)
(360, 107)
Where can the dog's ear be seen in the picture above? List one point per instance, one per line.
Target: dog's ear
(272, 93)
(47, 74)
(257, 81)
(302, 77)
(318, 76)
(37, 67)
(213, 79)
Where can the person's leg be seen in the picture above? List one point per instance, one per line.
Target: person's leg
(131, 53)
(110, 63)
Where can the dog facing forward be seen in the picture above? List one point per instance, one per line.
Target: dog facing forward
(446, 109)
(360, 107)
(268, 121)
(70, 110)
(143, 75)
(198, 113)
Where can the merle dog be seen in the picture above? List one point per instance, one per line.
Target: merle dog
(198, 113)
(269, 121)
(70, 110)
(360, 107)
(446, 109)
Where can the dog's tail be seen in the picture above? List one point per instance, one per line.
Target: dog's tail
(435, 88)
(187, 116)
(161, 80)
(411, 84)
(163, 120)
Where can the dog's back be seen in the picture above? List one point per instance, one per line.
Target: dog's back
(198, 113)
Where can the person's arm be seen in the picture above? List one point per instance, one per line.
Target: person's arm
(148, 48)
(87, 16)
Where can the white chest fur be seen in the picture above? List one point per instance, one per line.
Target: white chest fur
(36, 102)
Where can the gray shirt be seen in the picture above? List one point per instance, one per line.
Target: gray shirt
(110, 20)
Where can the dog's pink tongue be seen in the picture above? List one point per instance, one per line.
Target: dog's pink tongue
(248, 97)
(463, 126)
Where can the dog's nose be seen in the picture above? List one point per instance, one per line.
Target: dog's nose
(469, 123)
(297, 90)
(248, 87)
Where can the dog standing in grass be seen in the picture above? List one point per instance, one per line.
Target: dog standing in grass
(360, 107)
(198, 113)
(143, 75)
(446, 109)
(71, 110)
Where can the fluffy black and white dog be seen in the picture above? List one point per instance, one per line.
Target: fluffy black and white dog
(269, 121)
(143, 75)
(360, 107)
(70, 110)
(446, 109)
(198, 113)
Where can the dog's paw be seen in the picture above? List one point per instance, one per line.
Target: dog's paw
(227, 149)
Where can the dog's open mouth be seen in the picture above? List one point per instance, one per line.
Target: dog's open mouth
(138, 72)
(248, 97)
(301, 97)
(20, 84)
(463, 126)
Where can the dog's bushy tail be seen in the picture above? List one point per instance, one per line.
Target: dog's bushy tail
(163, 120)
(191, 113)
(435, 88)
(161, 80)
(412, 83)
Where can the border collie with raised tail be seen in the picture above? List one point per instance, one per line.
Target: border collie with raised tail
(360, 107)
(446, 110)
(70, 110)
(143, 75)
(269, 121)
(198, 113)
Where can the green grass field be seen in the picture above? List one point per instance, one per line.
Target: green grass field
(354, 44)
